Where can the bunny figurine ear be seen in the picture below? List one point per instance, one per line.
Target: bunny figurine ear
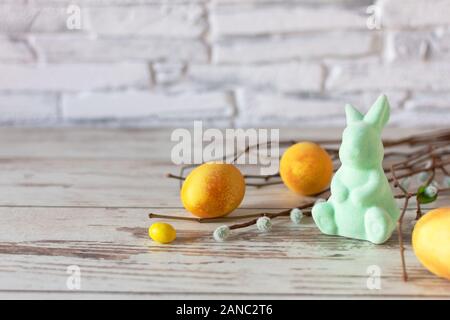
(352, 114)
(378, 114)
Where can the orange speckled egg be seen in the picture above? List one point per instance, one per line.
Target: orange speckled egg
(213, 190)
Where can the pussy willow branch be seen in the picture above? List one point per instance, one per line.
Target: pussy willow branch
(413, 159)
(426, 154)
(266, 178)
(407, 164)
(310, 204)
(407, 195)
(438, 137)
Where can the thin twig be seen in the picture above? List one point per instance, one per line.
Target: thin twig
(432, 146)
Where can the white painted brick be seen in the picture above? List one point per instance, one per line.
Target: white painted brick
(403, 45)
(162, 123)
(414, 13)
(418, 45)
(250, 20)
(166, 20)
(155, 19)
(182, 2)
(363, 100)
(23, 18)
(14, 51)
(284, 77)
(420, 119)
(335, 44)
(347, 3)
(28, 108)
(430, 102)
(123, 2)
(141, 104)
(168, 73)
(266, 107)
(78, 48)
(372, 75)
(73, 77)
(274, 106)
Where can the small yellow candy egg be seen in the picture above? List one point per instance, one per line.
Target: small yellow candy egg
(162, 232)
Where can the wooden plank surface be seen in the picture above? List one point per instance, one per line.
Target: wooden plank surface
(82, 196)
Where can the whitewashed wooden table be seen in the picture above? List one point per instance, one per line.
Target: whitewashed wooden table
(82, 197)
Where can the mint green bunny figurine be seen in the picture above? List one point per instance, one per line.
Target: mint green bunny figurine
(361, 205)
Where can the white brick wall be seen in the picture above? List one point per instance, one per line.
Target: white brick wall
(14, 51)
(424, 45)
(28, 108)
(228, 62)
(291, 76)
(17, 17)
(303, 110)
(142, 104)
(247, 20)
(374, 74)
(308, 46)
(415, 13)
(181, 21)
(85, 48)
(73, 77)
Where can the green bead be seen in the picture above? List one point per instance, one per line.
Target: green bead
(427, 194)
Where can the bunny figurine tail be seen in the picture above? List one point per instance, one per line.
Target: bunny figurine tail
(361, 205)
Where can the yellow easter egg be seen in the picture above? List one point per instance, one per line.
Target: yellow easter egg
(213, 190)
(431, 241)
(306, 168)
(162, 232)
